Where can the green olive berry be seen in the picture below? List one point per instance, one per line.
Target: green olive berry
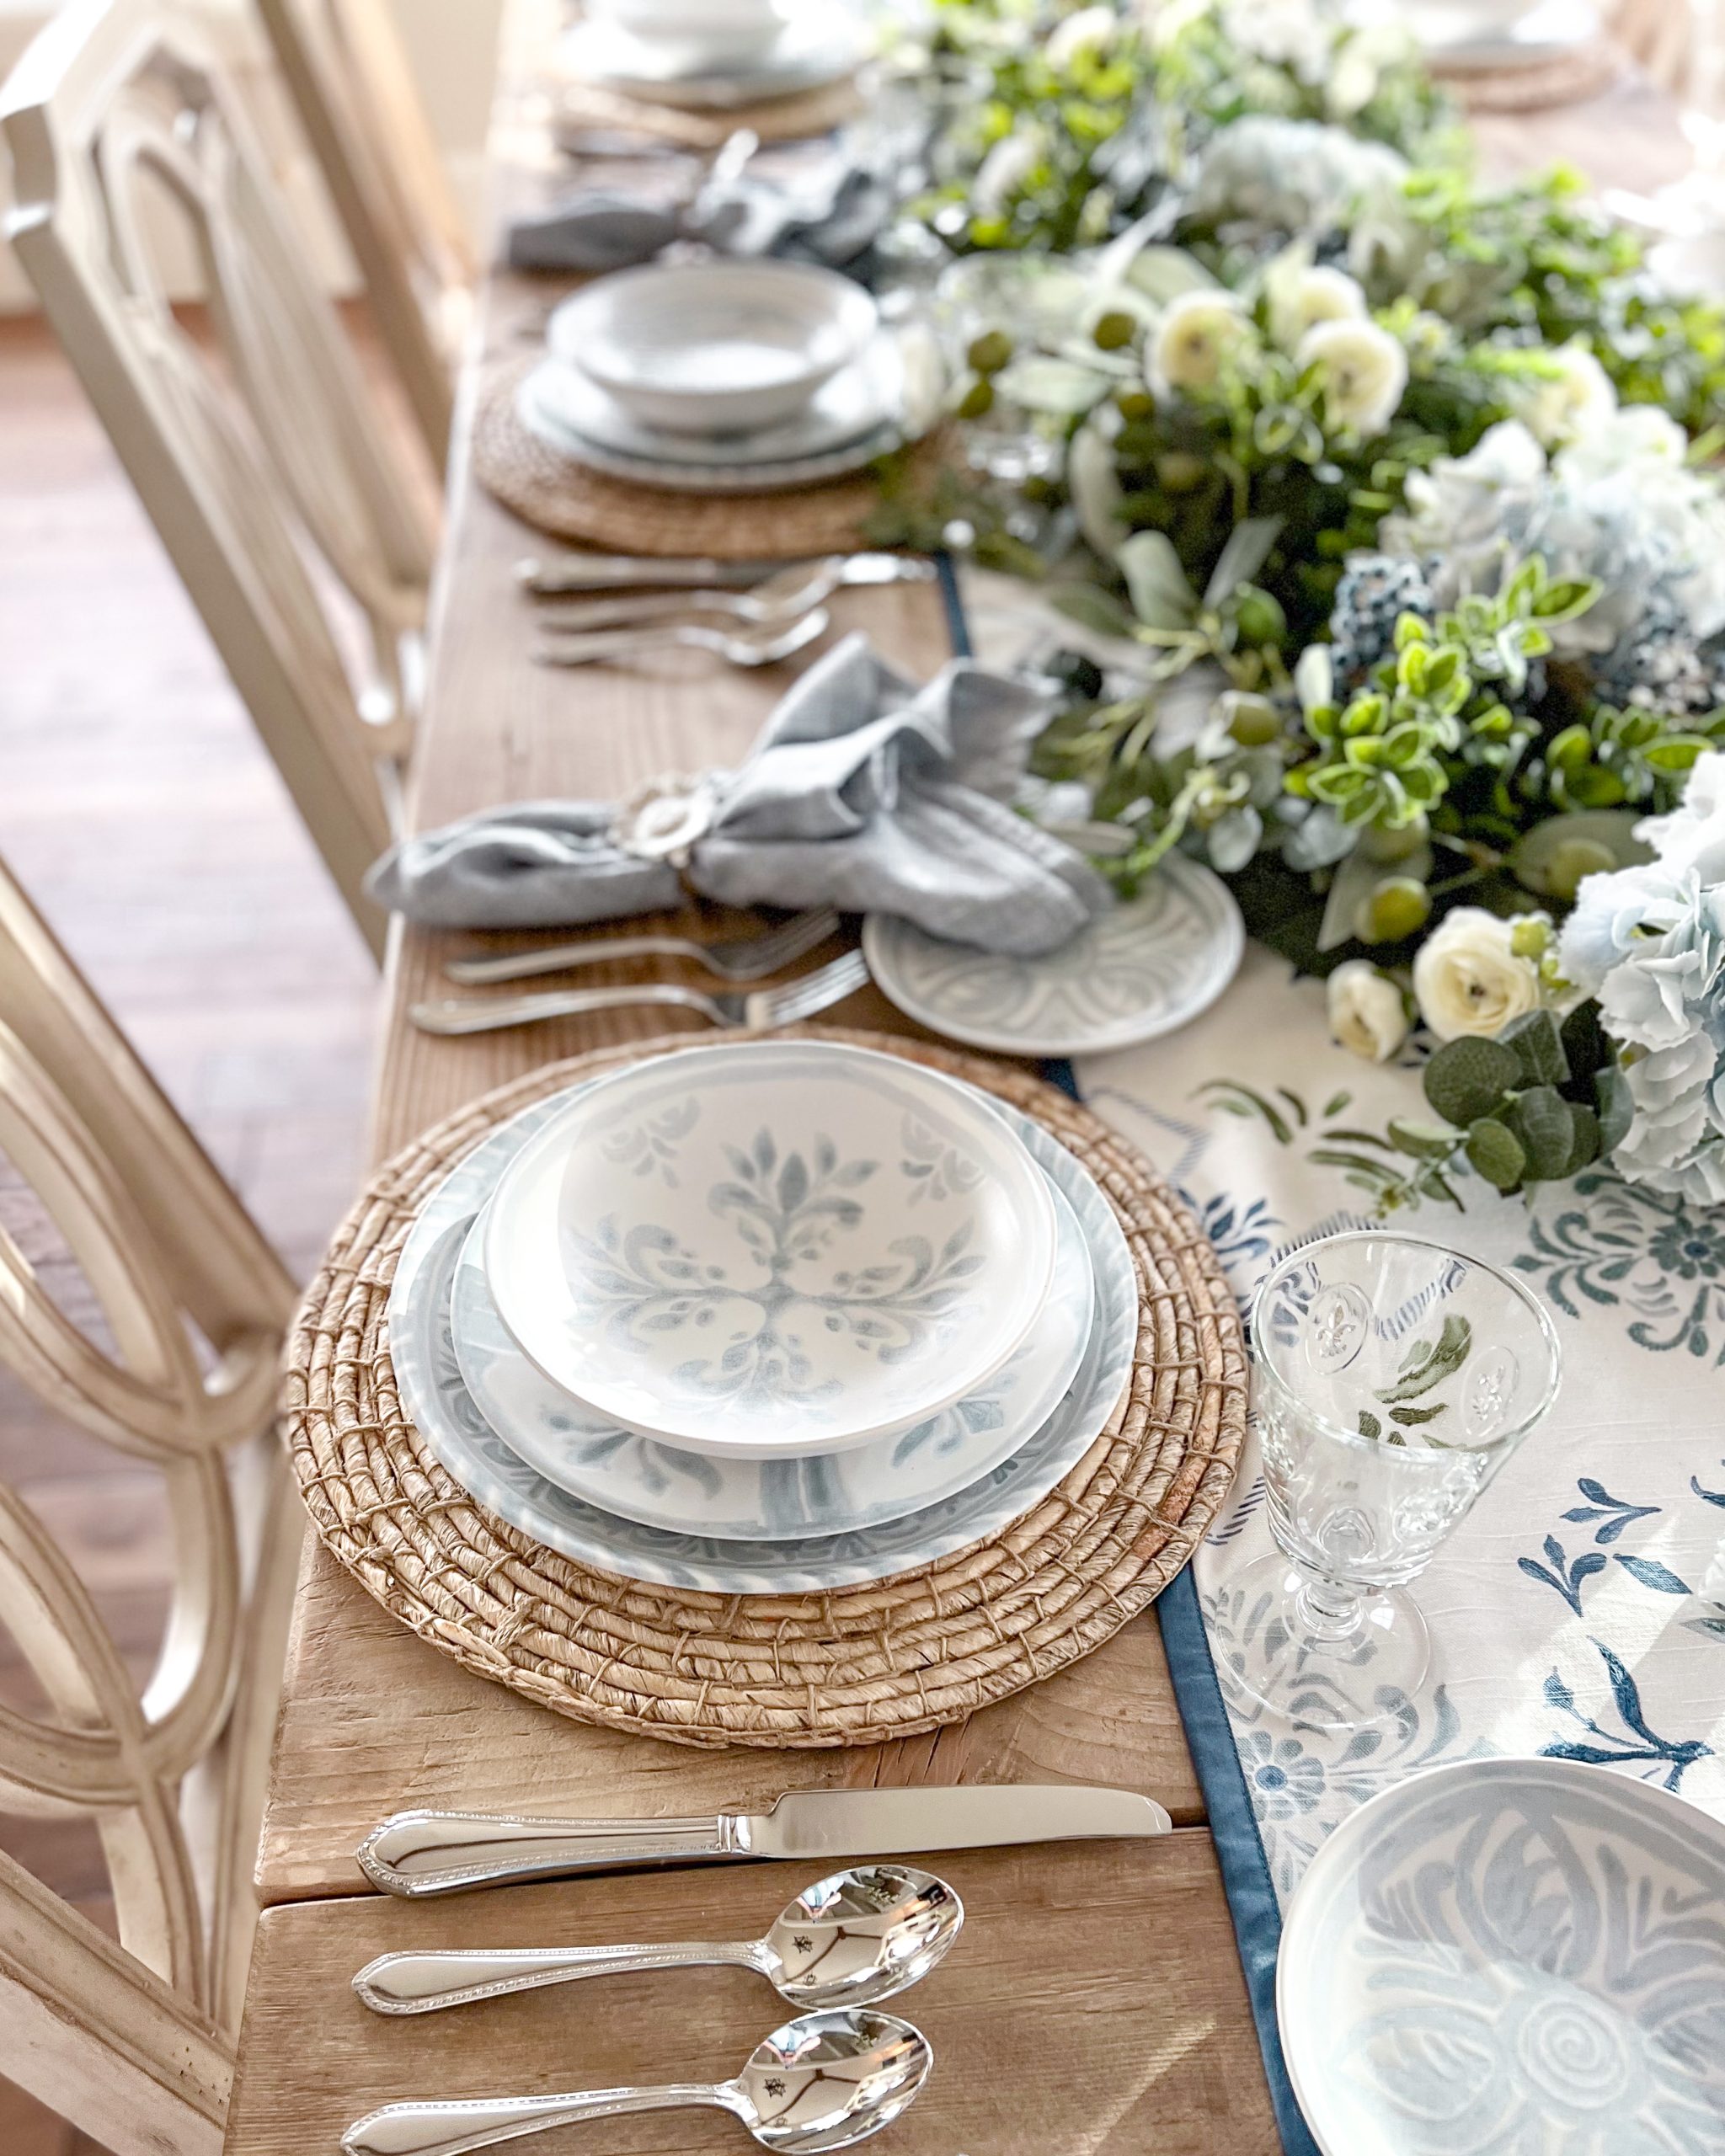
(977, 400)
(989, 352)
(1180, 471)
(1261, 619)
(1253, 721)
(1113, 329)
(1398, 906)
(1134, 404)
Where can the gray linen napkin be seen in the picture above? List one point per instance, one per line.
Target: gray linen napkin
(830, 213)
(862, 791)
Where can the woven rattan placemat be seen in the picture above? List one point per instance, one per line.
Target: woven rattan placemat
(569, 500)
(1570, 78)
(581, 106)
(847, 1667)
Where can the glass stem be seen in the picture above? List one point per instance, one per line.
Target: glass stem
(1328, 1611)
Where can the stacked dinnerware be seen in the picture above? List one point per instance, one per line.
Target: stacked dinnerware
(714, 55)
(719, 377)
(763, 1317)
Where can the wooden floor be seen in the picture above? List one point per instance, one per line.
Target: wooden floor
(139, 811)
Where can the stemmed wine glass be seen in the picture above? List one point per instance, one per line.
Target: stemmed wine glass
(1394, 1380)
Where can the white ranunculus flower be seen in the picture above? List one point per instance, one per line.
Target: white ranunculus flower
(1196, 330)
(1364, 372)
(1300, 301)
(1367, 1015)
(1568, 403)
(1092, 30)
(1466, 978)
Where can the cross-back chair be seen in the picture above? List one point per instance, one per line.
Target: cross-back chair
(348, 78)
(257, 450)
(175, 1368)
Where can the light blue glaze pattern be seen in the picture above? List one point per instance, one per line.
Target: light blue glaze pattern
(434, 1397)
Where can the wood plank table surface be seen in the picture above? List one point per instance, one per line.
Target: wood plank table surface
(1095, 2002)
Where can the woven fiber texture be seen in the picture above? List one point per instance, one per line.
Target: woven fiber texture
(805, 114)
(561, 496)
(1568, 78)
(847, 1667)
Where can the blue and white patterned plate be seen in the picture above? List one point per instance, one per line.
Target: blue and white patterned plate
(428, 1376)
(771, 1247)
(1511, 1957)
(779, 1499)
(1136, 971)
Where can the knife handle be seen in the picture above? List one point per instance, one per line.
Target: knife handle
(421, 1853)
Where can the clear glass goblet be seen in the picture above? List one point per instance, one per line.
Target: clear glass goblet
(1394, 1380)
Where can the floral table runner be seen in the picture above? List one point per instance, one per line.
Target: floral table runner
(1579, 1611)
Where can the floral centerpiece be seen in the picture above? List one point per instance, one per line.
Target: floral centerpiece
(1384, 506)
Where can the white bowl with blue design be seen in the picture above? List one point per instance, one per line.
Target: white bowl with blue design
(436, 1399)
(1511, 1957)
(771, 1248)
(783, 1500)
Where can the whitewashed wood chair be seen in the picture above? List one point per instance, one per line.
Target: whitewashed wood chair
(175, 1368)
(258, 451)
(348, 78)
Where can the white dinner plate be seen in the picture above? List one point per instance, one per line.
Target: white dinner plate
(821, 45)
(859, 401)
(432, 1396)
(1544, 34)
(772, 1247)
(1511, 1957)
(778, 1500)
(1137, 971)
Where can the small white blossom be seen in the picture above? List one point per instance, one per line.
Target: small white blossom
(1300, 296)
(1368, 1015)
(1468, 979)
(1569, 401)
(1092, 30)
(1363, 370)
(1196, 330)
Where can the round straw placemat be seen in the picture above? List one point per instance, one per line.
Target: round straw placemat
(1568, 78)
(845, 1667)
(797, 117)
(570, 500)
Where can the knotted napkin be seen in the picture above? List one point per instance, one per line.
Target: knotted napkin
(862, 791)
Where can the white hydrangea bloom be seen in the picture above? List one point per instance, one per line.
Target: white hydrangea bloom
(1293, 176)
(1573, 399)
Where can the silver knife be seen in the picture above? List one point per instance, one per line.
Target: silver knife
(416, 1853)
(631, 573)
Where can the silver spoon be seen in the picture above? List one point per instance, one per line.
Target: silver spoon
(741, 648)
(777, 598)
(823, 2081)
(850, 1940)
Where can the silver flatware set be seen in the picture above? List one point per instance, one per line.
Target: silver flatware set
(841, 2070)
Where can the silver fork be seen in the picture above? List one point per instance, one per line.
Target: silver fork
(756, 1012)
(732, 957)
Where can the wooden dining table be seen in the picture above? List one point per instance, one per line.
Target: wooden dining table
(1094, 2005)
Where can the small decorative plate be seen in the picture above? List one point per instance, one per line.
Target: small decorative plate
(422, 1353)
(778, 1500)
(1139, 970)
(772, 1247)
(1511, 1957)
(685, 476)
(858, 400)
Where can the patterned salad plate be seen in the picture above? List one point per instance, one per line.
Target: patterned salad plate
(1139, 970)
(826, 1493)
(772, 1247)
(436, 1398)
(1511, 1957)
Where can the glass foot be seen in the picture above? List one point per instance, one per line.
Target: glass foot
(1321, 1663)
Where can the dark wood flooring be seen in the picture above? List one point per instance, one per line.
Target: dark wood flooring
(138, 809)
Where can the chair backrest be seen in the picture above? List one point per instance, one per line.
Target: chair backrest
(257, 450)
(168, 1355)
(348, 78)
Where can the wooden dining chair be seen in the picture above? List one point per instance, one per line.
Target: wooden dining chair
(257, 448)
(348, 78)
(139, 1303)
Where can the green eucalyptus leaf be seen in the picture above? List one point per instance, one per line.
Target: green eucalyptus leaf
(1424, 1141)
(1095, 608)
(1062, 387)
(1495, 1152)
(1531, 856)
(1617, 1107)
(1162, 597)
(1584, 1148)
(1539, 1120)
(1467, 1078)
(1539, 1046)
(1247, 549)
